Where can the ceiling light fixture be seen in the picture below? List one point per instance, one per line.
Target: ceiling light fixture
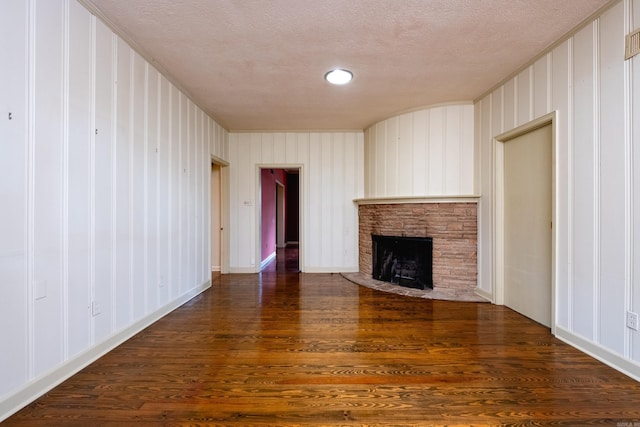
(338, 76)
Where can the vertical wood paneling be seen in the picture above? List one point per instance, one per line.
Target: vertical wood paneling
(190, 190)
(466, 154)
(48, 176)
(205, 203)
(330, 163)
(404, 181)
(497, 104)
(420, 160)
(509, 105)
(95, 118)
(96, 207)
(236, 145)
(79, 178)
(164, 191)
(596, 180)
(633, 293)
(541, 87)
(391, 159)
(279, 145)
(437, 161)
(151, 189)
(195, 185)
(175, 172)
(612, 183)
(138, 185)
(267, 148)
(381, 170)
(524, 100)
(314, 177)
(421, 153)
(104, 95)
(291, 148)
(122, 251)
(564, 192)
(326, 183)
(185, 191)
(14, 19)
(583, 181)
(454, 126)
(198, 196)
(351, 178)
(368, 136)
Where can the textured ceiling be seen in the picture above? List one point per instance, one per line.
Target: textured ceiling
(259, 64)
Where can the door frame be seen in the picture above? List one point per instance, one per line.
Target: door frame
(258, 211)
(224, 214)
(280, 215)
(498, 206)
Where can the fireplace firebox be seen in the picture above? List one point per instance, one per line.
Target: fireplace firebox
(404, 261)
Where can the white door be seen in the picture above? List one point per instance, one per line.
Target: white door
(216, 218)
(527, 224)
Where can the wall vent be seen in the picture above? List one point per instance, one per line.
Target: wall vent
(632, 44)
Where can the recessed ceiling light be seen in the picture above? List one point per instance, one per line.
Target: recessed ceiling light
(339, 76)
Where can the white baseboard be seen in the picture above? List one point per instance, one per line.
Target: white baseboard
(336, 270)
(267, 261)
(484, 294)
(243, 270)
(216, 268)
(41, 385)
(606, 356)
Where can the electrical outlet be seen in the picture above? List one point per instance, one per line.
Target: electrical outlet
(95, 308)
(632, 321)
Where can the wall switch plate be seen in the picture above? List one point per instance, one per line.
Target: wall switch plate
(632, 321)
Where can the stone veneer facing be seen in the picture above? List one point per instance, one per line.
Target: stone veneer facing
(453, 227)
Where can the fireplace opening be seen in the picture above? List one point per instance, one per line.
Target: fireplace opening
(404, 261)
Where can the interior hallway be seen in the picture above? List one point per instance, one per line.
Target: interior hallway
(284, 348)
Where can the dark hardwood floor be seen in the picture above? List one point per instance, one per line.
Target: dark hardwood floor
(283, 348)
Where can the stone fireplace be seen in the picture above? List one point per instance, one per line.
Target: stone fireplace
(452, 226)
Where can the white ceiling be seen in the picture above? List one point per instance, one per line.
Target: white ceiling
(259, 64)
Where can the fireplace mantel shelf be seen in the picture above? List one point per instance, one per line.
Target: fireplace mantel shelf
(416, 199)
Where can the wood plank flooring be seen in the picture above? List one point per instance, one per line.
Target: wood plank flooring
(284, 349)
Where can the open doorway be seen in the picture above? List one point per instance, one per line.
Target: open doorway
(279, 219)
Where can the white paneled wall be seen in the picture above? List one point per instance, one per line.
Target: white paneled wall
(331, 170)
(424, 153)
(104, 189)
(597, 190)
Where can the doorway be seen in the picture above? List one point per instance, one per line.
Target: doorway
(278, 216)
(524, 221)
(218, 219)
